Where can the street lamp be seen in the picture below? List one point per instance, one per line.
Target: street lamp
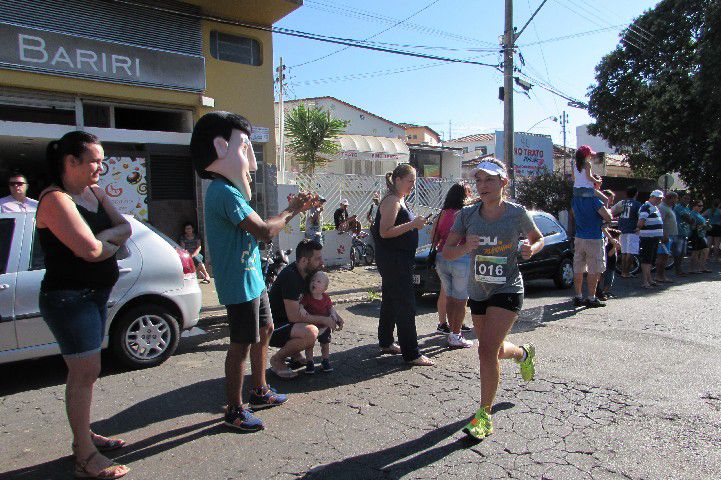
(555, 119)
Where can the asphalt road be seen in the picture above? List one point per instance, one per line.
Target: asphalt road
(629, 391)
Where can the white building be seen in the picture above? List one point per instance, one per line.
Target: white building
(598, 144)
(371, 144)
(475, 145)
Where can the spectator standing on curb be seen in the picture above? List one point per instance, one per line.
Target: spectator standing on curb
(698, 239)
(222, 152)
(453, 274)
(17, 201)
(492, 229)
(714, 235)
(395, 232)
(589, 256)
(80, 231)
(340, 216)
(627, 212)
(670, 245)
(683, 223)
(314, 221)
(650, 229)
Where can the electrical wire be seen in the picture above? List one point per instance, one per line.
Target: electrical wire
(587, 18)
(574, 35)
(639, 29)
(399, 22)
(366, 15)
(301, 34)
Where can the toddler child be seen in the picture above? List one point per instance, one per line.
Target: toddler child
(315, 301)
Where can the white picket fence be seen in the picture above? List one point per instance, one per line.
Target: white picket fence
(426, 198)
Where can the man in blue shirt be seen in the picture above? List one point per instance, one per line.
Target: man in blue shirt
(222, 152)
(627, 211)
(589, 255)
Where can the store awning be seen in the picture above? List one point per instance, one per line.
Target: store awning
(375, 145)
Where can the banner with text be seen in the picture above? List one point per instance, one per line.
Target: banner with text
(533, 154)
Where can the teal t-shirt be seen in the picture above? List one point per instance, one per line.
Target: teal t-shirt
(700, 225)
(682, 214)
(233, 251)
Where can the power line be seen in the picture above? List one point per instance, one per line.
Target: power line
(640, 31)
(377, 73)
(399, 22)
(301, 34)
(586, 17)
(374, 16)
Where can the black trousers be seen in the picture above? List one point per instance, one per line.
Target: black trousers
(398, 306)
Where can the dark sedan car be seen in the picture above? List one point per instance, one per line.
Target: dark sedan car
(555, 261)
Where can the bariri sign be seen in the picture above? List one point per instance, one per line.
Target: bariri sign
(533, 154)
(23, 48)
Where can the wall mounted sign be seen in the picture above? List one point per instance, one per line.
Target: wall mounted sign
(533, 154)
(23, 48)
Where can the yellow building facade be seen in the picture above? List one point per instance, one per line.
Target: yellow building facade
(136, 73)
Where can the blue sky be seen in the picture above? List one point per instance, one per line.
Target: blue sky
(405, 89)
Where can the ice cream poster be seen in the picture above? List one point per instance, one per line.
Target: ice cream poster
(124, 181)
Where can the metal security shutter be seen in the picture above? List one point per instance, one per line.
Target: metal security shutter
(112, 21)
(171, 178)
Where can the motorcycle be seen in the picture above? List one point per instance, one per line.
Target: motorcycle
(272, 262)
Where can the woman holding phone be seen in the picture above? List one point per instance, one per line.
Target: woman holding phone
(395, 232)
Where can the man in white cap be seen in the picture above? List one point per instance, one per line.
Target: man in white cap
(340, 217)
(650, 231)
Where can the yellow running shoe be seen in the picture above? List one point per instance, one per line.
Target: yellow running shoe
(528, 366)
(480, 426)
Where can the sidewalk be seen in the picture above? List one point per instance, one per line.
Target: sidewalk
(346, 286)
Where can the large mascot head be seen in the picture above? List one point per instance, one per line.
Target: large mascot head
(221, 146)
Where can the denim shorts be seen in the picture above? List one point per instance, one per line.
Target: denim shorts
(454, 275)
(198, 259)
(76, 318)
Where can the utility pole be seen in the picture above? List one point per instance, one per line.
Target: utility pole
(281, 118)
(508, 46)
(449, 130)
(564, 120)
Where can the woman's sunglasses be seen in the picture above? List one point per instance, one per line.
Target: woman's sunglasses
(17, 184)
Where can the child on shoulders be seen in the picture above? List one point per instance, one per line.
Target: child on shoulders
(585, 182)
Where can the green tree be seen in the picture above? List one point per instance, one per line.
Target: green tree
(550, 192)
(657, 98)
(310, 133)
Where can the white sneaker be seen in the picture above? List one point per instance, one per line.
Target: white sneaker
(457, 341)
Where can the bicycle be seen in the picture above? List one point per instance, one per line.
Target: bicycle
(360, 251)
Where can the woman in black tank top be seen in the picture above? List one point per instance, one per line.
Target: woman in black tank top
(395, 232)
(80, 232)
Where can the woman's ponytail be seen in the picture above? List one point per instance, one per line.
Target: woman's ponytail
(389, 183)
(72, 143)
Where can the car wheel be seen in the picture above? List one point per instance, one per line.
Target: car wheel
(144, 336)
(370, 255)
(564, 275)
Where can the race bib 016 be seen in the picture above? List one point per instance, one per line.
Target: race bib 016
(490, 269)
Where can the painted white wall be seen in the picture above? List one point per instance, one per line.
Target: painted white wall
(471, 146)
(596, 143)
(451, 165)
(361, 123)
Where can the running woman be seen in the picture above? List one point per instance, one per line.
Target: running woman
(492, 230)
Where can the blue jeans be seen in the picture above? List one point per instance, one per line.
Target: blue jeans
(398, 305)
(76, 318)
(314, 233)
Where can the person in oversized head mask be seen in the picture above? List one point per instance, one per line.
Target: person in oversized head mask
(222, 152)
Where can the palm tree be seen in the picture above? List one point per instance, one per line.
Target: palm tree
(311, 132)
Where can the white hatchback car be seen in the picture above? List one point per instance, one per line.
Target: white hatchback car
(155, 298)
